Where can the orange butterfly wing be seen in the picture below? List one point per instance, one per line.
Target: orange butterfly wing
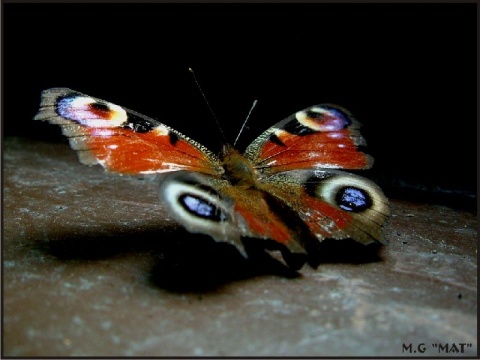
(122, 140)
(332, 203)
(322, 136)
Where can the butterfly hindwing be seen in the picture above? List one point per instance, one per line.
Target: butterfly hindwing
(122, 140)
(204, 204)
(291, 208)
(322, 136)
(333, 204)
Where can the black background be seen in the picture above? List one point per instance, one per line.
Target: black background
(407, 72)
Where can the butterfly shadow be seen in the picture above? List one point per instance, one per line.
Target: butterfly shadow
(346, 251)
(185, 262)
(181, 261)
(196, 263)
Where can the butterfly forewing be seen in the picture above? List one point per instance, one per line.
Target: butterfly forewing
(122, 140)
(322, 136)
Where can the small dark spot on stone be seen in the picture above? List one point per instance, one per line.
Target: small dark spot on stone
(460, 295)
(404, 242)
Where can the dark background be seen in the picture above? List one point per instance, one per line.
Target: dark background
(407, 72)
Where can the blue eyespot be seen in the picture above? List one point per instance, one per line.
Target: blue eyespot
(202, 208)
(339, 114)
(353, 199)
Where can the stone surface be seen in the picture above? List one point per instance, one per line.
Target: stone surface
(93, 266)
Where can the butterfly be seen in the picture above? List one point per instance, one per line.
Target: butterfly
(287, 189)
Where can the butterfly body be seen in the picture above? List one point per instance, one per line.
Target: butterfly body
(287, 188)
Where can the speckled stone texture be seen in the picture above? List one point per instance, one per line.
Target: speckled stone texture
(93, 266)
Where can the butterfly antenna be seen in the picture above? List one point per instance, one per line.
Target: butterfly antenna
(245, 122)
(208, 104)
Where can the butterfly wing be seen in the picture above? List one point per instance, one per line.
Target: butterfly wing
(322, 136)
(122, 140)
(333, 204)
(212, 206)
(296, 162)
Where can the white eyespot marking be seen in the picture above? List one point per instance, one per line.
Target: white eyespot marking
(194, 203)
(330, 188)
(90, 112)
(352, 193)
(322, 119)
(279, 133)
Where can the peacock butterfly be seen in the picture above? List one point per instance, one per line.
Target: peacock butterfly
(285, 189)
